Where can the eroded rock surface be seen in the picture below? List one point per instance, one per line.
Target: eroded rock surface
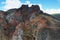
(28, 23)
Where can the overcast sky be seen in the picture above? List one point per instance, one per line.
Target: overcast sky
(49, 6)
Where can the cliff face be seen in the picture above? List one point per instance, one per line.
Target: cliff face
(28, 23)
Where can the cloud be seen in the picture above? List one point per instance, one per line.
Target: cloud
(9, 4)
(28, 3)
(52, 11)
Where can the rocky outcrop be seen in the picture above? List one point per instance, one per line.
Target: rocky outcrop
(28, 23)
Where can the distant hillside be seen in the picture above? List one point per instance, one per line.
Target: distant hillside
(57, 15)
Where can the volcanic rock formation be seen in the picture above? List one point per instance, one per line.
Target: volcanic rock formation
(28, 23)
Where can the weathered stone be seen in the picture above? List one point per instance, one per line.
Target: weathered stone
(28, 23)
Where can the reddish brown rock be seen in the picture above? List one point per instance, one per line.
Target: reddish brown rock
(29, 23)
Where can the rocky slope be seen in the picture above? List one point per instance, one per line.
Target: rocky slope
(28, 23)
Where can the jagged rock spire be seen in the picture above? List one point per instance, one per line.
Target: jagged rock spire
(35, 8)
